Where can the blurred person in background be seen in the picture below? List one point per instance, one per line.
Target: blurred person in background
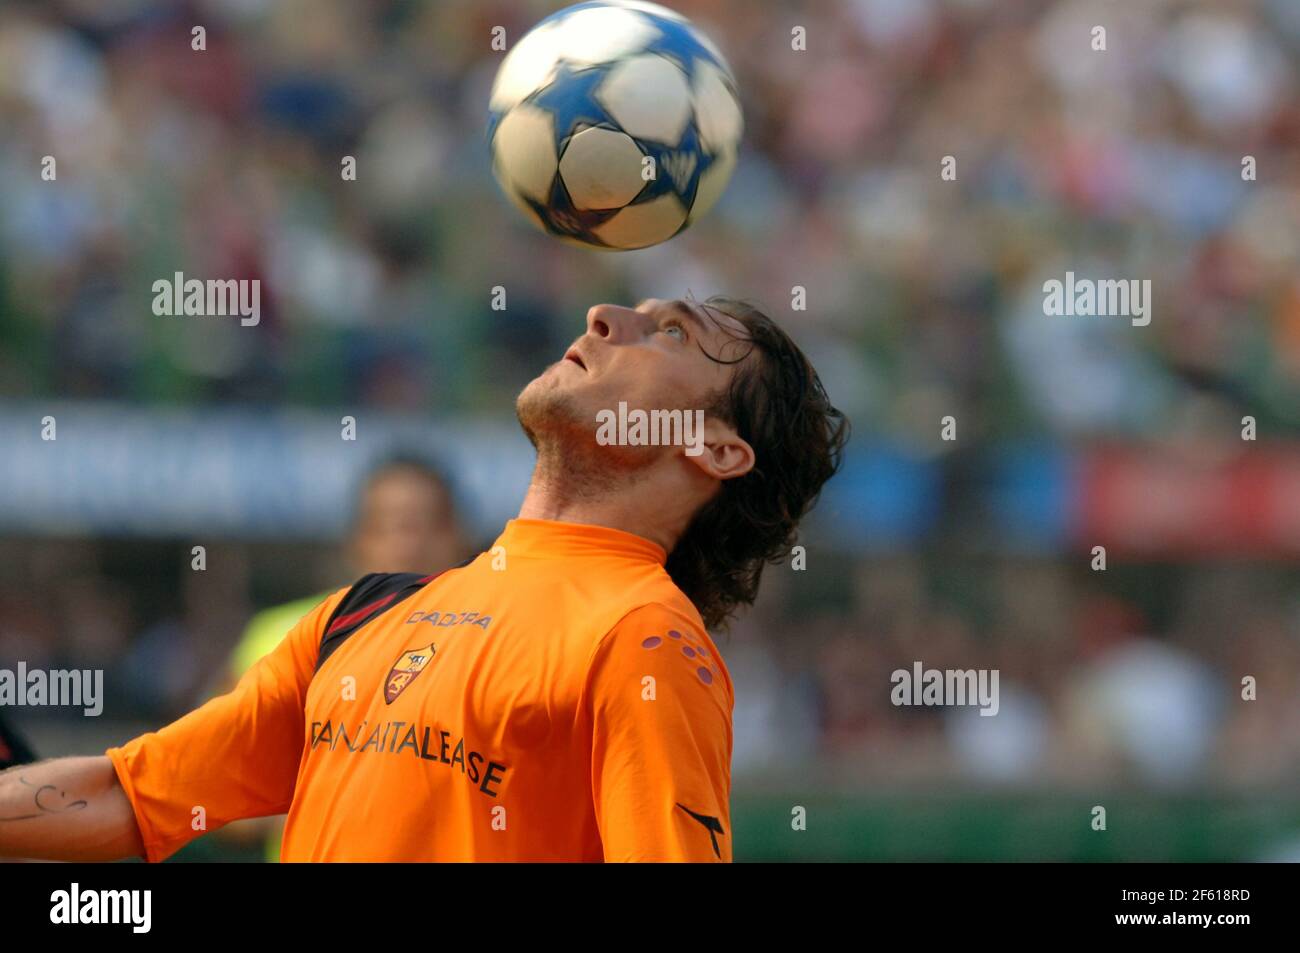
(405, 520)
(1139, 706)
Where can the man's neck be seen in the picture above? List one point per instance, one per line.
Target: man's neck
(634, 501)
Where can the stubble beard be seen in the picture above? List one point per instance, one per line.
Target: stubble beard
(570, 463)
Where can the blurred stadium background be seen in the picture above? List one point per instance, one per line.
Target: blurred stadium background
(1119, 688)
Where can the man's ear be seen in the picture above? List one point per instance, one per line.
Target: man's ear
(720, 452)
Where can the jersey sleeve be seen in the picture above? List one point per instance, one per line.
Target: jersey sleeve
(236, 756)
(660, 705)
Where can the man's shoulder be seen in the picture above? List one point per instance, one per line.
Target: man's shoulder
(667, 638)
(267, 628)
(670, 607)
(650, 596)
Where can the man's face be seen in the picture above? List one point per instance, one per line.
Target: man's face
(652, 357)
(406, 523)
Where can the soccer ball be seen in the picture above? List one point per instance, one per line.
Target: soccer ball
(614, 124)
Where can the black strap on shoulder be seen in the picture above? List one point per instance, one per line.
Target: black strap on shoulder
(370, 597)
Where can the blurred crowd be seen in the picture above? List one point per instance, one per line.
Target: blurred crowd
(924, 297)
(921, 293)
(1097, 685)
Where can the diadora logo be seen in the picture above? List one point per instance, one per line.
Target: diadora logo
(711, 824)
(445, 620)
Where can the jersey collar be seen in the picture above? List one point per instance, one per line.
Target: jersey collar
(554, 539)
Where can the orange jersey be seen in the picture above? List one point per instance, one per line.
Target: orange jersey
(556, 699)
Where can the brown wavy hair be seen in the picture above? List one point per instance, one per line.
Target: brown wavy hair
(778, 405)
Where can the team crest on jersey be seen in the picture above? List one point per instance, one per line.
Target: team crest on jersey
(403, 672)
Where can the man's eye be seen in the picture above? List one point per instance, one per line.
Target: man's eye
(675, 326)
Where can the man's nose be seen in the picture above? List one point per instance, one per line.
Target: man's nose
(613, 323)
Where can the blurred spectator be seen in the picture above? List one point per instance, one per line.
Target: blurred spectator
(405, 522)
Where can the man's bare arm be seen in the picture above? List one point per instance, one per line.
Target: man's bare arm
(66, 809)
